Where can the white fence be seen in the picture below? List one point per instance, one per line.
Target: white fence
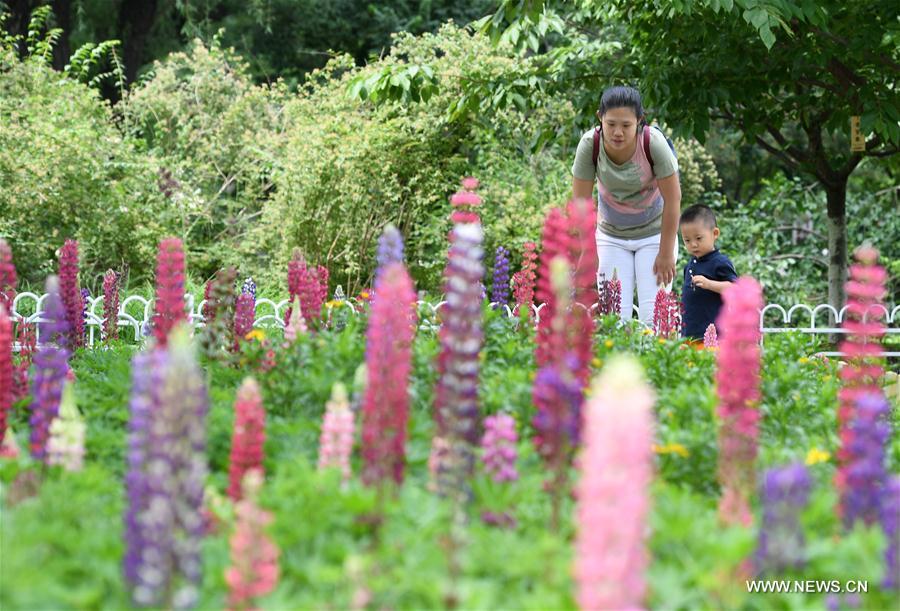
(268, 314)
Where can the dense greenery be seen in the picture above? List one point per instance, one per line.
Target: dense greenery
(329, 549)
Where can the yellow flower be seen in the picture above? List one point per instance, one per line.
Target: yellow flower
(364, 294)
(596, 362)
(531, 375)
(690, 364)
(608, 343)
(802, 360)
(661, 340)
(816, 455)
(826, 378)
(648, 332)
(257, 334)
(672, 448)
(333, 303)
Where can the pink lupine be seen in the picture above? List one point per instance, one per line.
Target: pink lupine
(170, 306)
(523, 281)
(336, 440)
(306, 283)
(581, 218)
(499, 448)
(613, 497)
(465, 202)
(248, 436)
(8, 278)
(65, 446)
(296, 324)
(110, 305)
(667, 320)
(554, 242)
(71, 294)
(389, 340)
(863, 321)
(254, 557)
(739, 397)
(710, 338)
(6, 368)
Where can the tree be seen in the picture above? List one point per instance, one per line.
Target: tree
(787, 74)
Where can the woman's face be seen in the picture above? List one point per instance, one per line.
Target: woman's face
(619, 128)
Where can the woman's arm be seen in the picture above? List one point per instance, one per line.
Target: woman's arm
(664, 266)
(582, 189)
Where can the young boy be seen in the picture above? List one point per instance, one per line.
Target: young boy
(707, 273)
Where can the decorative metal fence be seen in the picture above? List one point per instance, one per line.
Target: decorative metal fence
(135, 313)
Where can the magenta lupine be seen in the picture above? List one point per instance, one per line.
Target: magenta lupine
(739, 396)
(50, 366)
(498, 447)
(610, 294)
(70, 293)
(461, 337)
(167, 472)
(254, 557)
(523, 280)
(581, 217)
(244, 311)
(336, 439)
(248, 436)
(666, 314)
(309, 286)
(8, 278)
(170, 306)
(6, 369)
(785, 494)
(110, 305)
(549, 346)
(710, 337)
(392, 327)
(613, 495)
(863, 322)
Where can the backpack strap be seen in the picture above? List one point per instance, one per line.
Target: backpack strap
(596, 153)
(646, 142)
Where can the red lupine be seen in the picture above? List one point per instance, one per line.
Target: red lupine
(248, 436)
(71, 294)
(739, 395)
(170, 307)
(523, 281)
(865, 295)
(110, 305)
(26, 335)
(8, 278)
(6, 368)
(554, 242)
(582, 224)
(305, 283)
(667, 319)
(392, 327)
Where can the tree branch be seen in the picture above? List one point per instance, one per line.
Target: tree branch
(777, 152)
(813, 258)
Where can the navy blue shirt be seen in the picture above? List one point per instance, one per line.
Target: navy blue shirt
(701, 306)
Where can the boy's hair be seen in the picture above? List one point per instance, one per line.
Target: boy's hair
(701, 213)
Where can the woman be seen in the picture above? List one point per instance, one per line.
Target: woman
(639, 198)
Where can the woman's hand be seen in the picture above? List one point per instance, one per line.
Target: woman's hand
(664, 267)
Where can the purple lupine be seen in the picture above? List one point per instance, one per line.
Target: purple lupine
(499, 448)
(866, 472)
(249, 287)
(461, 338)
(890, 523)
(51, 363)
(167, 472)
(785, 493)
(390, 247)
(500, 282)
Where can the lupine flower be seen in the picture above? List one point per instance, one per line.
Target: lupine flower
(523, 281)
(27, 338)
(244, 311)
(66, 444)
(865, 292)
(336, 440)
(499, 448)
(50, 365)
(785, 494)
(8, 278)
(739, 396)
(864, 467)
(465, 203)
(610, 294)
(170, 307)
(461, 338)
(249, 287)
(70, 294)
(388, 362)
(710, 338)
(6, 368)
(581, 221)
(296, 323)
(248, 436)
(85, 296)
(666, 314)
(614, 490)
(207, 310)
(254, 557)
(322, 294)
(111, 305)
(9, 448)
(219, 329)
(390, 247)
(167, 472)
(306, 284)
(890, 523)
(554, 243)
(500, 282)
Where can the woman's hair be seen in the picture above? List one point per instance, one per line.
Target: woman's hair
(620, 97)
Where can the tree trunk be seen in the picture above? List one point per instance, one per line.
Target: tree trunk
(62, 10)
(136, 18)
(837, 243)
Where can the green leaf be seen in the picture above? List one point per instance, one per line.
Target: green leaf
(767, 36)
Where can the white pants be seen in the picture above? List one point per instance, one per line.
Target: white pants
(632, 260)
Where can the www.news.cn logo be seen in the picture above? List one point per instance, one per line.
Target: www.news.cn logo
(809, 586)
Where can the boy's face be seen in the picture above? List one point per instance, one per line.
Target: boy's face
(699, 239)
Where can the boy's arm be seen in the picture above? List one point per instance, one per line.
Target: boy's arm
(716, 286)
(724, 270)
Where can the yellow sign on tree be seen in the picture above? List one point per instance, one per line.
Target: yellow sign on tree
(857, 140)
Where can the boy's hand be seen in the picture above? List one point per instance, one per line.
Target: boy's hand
(701, 282)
